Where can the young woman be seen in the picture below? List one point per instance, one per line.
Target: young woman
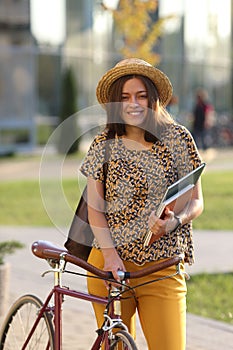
(148, 151)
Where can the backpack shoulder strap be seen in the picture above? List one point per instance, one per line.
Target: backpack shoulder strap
(107, 156)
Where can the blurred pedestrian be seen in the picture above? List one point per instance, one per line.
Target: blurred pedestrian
(201, 112)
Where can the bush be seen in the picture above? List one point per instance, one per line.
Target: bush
(8, 247)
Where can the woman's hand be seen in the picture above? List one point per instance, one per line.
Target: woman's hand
(112, 262)
(190, 212)
(160, 227)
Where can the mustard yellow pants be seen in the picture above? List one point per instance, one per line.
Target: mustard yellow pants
(161, 306)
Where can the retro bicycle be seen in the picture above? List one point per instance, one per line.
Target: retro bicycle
(33, 324)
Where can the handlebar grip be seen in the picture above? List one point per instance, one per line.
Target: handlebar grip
(123, 275)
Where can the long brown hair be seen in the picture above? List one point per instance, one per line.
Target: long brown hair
(154, 125)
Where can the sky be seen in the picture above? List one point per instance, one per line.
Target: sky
(48, 21)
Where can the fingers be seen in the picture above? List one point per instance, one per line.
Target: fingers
(160, 226)
(114, 265)
(116, 278)
(169, 213)
(152, 220)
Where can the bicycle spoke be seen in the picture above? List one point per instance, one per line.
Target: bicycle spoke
(19, 323)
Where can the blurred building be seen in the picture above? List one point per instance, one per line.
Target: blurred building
(17, 85)
(38, 38)
(197, 50)
(88, 46)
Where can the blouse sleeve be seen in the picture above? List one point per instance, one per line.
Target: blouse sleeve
(185, 152)
(92, 165)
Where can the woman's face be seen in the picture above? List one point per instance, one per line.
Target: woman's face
(134, 100)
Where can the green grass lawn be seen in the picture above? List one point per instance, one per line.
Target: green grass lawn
(218, 199)
(210, 295)
(21, 202)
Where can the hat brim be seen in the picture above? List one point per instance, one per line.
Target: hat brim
(160, 80)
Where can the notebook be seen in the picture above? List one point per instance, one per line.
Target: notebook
(177, 195)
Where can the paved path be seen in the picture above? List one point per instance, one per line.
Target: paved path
(202, 333)
(53, 166)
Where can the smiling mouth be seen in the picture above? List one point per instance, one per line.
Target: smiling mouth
(135, 113)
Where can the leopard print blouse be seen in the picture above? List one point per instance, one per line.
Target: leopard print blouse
(135, 184)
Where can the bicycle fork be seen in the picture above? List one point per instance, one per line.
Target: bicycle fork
(112, 320)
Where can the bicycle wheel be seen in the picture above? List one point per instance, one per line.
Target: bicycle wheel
(19, 322)
(123, 341)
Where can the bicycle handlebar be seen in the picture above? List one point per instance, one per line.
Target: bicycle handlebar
(48, 250)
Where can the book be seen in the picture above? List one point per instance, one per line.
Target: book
(177, 196)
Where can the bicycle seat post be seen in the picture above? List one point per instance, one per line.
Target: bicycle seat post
(60, 266)
(58, 299)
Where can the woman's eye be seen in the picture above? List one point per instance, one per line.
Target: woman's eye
(139, 97)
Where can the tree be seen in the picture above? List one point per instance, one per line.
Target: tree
(134, 22)
(69, 128)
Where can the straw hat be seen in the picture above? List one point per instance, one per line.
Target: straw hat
(138, 67)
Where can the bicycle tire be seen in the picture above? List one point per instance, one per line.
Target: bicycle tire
(19, 321)
(122, 341)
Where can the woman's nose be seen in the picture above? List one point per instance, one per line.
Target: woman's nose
(133, 99)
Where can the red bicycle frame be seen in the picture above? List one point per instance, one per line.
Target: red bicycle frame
(58, 292)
